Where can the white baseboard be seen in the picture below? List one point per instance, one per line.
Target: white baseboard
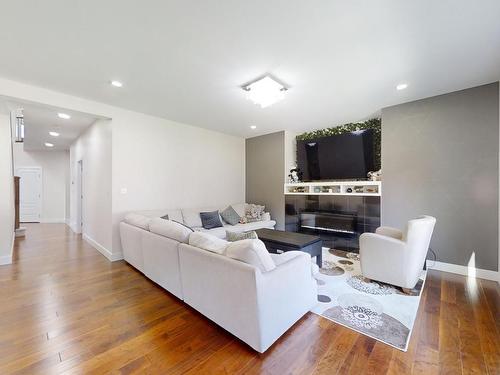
(464, 270)
(7, 259)
(108, 254)
(72, 226)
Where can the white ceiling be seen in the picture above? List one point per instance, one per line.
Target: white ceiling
(40, 120)
(186, 60)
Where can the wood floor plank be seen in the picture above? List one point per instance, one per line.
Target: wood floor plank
(67, 309)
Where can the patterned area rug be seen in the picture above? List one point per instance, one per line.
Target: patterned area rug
(377, 310)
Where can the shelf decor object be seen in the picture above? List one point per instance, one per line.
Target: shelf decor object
(359, 188)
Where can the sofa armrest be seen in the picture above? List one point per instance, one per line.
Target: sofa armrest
(381, 256)
(287, 256)
(285, 294)
(390, 232)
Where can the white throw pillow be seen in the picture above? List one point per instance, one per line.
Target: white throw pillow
(138, 220)
(191, 216)
(253, 252)
(208, 242)
(170, 229)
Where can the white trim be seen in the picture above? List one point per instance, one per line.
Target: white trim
(7, 259)
(73, 227)
(108, 254)
(464, 270)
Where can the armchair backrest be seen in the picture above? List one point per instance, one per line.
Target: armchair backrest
(418, 237)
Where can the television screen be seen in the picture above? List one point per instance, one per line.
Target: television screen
(337, 157)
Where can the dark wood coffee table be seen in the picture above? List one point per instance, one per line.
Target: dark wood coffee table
(278, 241)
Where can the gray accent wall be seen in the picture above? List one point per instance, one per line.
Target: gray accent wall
(440, 156)
(265, 165)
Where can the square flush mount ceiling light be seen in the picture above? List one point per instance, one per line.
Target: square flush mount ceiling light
(265, 91)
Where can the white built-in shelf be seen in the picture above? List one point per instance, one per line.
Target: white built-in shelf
(360, 188)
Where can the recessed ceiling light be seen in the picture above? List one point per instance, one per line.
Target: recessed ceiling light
(54, 134)
(265, 91)
(116, 83)
(253, 127)
(47, 144)
(401, 86)
(64, 116)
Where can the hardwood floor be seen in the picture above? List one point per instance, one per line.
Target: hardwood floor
(67, 309)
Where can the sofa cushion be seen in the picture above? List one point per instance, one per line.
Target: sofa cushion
(238, 236)
(210, 220)
(171, 229)
(282, 258)
(217, 232)
(138, 220)
(230, 216)
(191, 217)
(252, 252)
(251, 226)
(184, 225)
(172, 214)
(208, 242)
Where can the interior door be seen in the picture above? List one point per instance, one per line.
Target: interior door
(30, 194)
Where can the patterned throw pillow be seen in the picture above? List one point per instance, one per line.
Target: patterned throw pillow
(210, 220)
(253, 212)
(233, 236)
(230, 216)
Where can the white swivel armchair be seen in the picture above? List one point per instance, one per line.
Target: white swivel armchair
(396, 257)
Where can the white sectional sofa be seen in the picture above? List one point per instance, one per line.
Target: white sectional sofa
(256, 306)
(191, 218)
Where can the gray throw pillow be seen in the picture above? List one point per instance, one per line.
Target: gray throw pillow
(210, 220)
(233, 236)
(230, 216)
(165, 217)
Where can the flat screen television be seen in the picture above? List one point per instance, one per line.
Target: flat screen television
(345, 156)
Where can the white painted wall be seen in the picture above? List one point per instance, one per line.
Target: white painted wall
(6, 191)
(164, 164)
(94, 148)
(55, 168)
(161, 163)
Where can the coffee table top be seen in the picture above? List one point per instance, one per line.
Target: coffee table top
(286, 238)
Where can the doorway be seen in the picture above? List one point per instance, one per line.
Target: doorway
(30, 194)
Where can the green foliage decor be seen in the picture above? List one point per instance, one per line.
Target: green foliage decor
(374, 123)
